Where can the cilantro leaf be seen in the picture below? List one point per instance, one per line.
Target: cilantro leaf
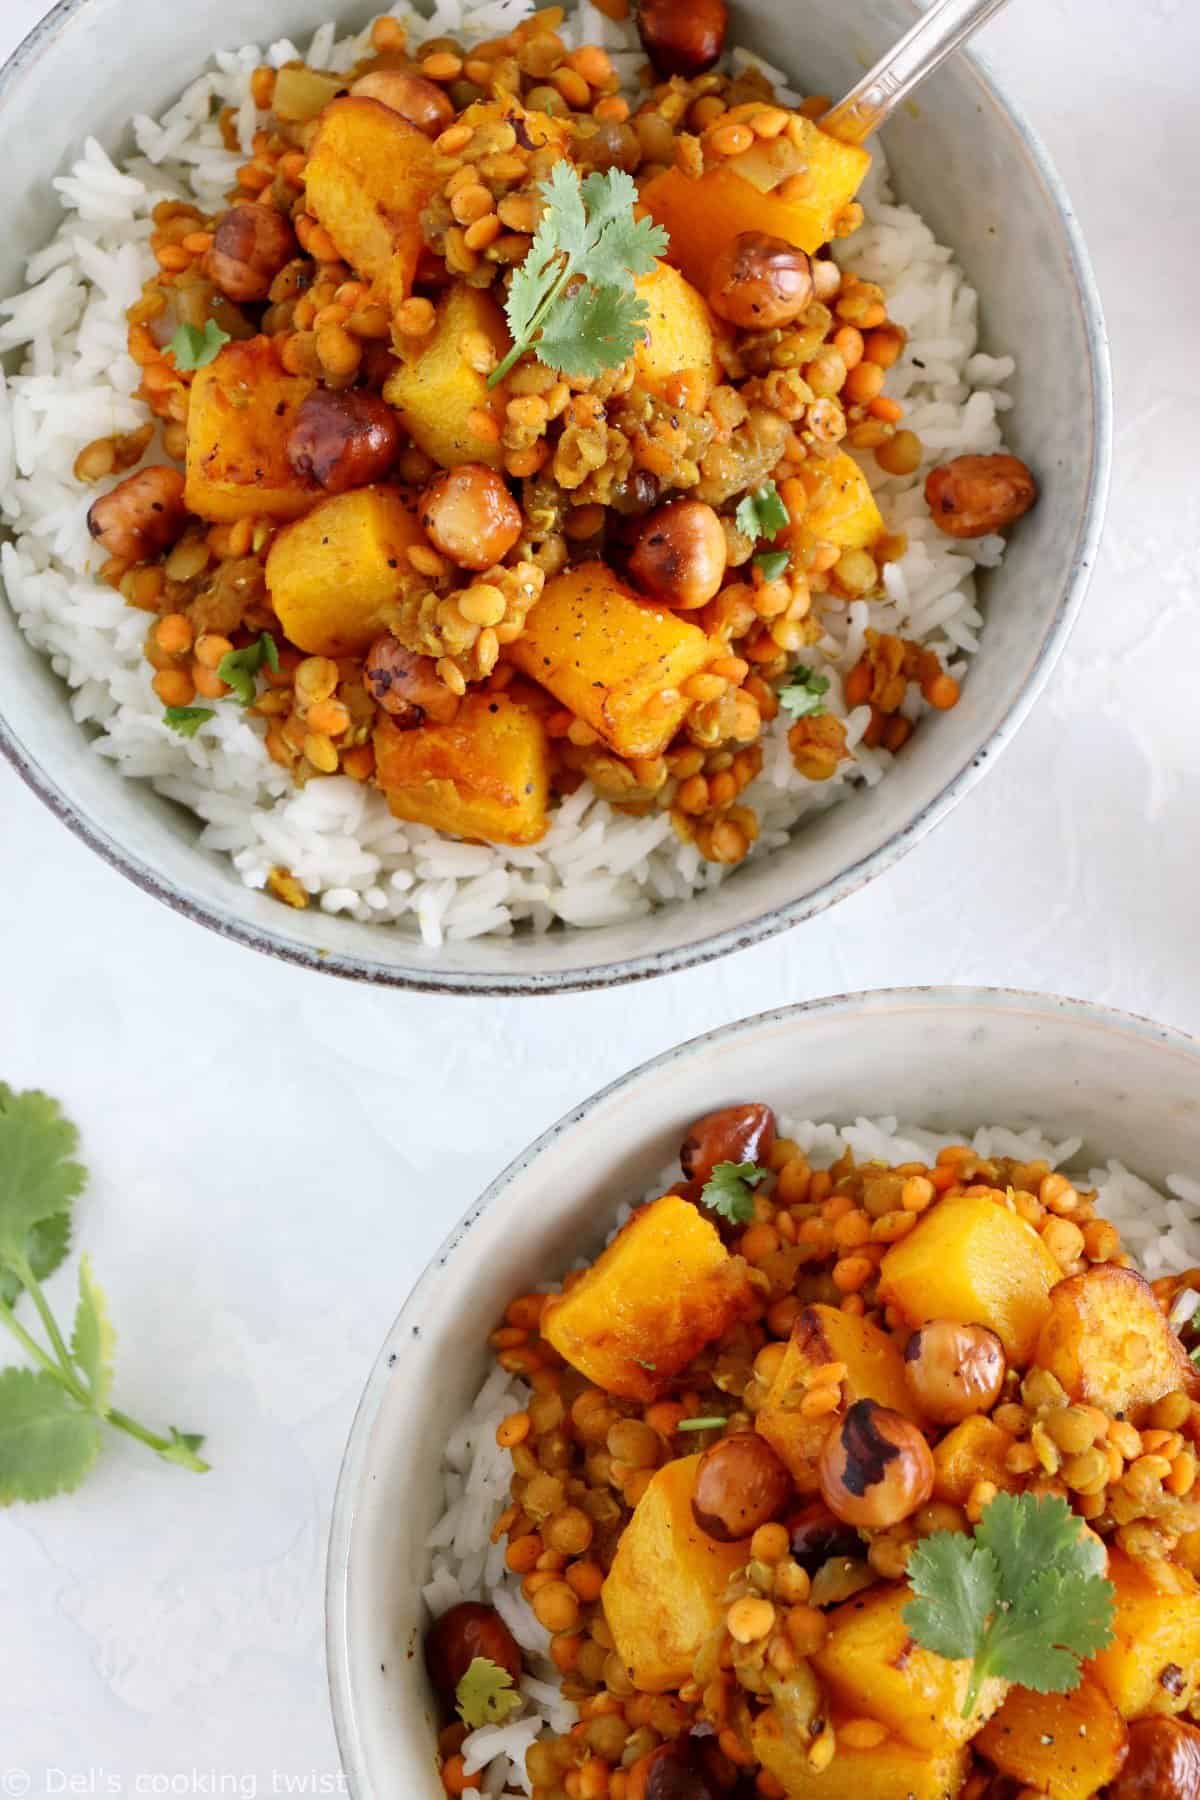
(954, 1589)
(728, 1190)
(762, 513)
(47, 1441)
(93, 1338)
(45, 1248)
(51, 1416)
(187, 720)
(772, 563)
(573, 301)
(486, 1695)
(803, 697)
(38, 1180)
(1024, 1598)
(195, 349)
(238, 668)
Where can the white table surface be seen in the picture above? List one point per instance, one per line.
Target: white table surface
(275, 1154)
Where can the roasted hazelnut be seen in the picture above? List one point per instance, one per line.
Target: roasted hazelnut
(142, 516)
(677, 1770)
(740, 1485)
(345, 439)
(407, 686)
(470, 516)
(1162, 1762)
(252, 242)
(760, 282)
(974, 495)
(875, 1467)
(423, 103)
(817, 1536)
(732, 1134)
(679, 554)
(683, 37)
(953, 1370)
(458, 1637)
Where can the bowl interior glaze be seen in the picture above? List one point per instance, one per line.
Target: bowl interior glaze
(960, 155)
(954, 1058)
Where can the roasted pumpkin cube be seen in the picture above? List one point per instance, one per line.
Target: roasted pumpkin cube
(369, 173)
(871, 1666)
(1066, 1745)
(662, 1598)
(678, 357)
(240, 414)
(435, 390)
(663, 1288)
(874, 1371)
(484, 776)
(830, 502)
(617, 661)
(1153, 1662)
(892, 1770)
(702, 215)
(333, 575)
(972, 1260)
(1109, 1344)
(975, 1450)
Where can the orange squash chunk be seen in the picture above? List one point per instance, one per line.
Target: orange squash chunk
(892, 1770)
(242, 409)
(662, 1598)
(678, 353)
(1065, 1745)
(871, 1667)
(1109, 1344)
(972, 1260)
(369, 174)
(663, 1288)
(333, 575)
(435, 390)
(1153, 1662)
(485, 776)
(703, 215)
(975, 1450)
(831, 502)
(617, 661)
(874, 1371)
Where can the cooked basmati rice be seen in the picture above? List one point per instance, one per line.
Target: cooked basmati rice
(595, 866)
(1162, 1230)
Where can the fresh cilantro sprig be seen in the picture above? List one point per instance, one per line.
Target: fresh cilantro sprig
(773, 563)
(762, 514)
(486, 1695)
(187, 720)
(193, 348)
(1024, 1598)
(238, 668)
(804, 695)
(572, 301)
(729, 1190)
(52, 1415)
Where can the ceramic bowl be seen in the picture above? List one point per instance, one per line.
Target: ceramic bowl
(954, 1058)
(979, 175)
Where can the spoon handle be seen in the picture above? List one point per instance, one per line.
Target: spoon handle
(940, 30)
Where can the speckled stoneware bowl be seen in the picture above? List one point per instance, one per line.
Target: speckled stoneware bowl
(953, 1057)
(972, 166)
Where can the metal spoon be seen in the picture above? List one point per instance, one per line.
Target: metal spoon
(941, 30)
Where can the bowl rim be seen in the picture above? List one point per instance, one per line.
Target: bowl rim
(850, 1006)
(415, 977)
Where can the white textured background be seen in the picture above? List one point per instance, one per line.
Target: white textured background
(275, 1155)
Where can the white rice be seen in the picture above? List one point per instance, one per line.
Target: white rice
(595, 866)
(1162, 1230)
